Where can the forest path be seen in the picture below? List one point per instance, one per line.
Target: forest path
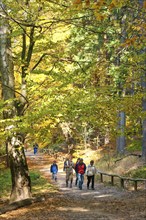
(103, 203)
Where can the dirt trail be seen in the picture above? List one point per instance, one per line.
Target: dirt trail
(104, 203)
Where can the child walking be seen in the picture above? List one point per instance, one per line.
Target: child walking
(54, 170)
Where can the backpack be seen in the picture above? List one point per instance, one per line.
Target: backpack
(68, 164)
(54, 168)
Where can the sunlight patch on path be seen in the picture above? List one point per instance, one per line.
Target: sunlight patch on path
(75, 209)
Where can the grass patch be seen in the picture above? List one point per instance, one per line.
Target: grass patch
(5, 183)
(134, 146)
(39, 184)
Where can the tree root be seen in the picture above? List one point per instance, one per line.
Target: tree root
(21, 203)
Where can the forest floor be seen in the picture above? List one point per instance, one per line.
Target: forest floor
(104, 203)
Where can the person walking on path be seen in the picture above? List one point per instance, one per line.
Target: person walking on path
(90, 172)
(68, 168)
(35, 148)
(78, 160)
(54, 170)
(80, 169)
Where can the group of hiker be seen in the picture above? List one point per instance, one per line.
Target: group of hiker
(80, 169)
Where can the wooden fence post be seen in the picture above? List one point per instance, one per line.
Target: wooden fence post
(122, 182)
(122, 179)
(135, 185)
(101, 177)
(112, 180)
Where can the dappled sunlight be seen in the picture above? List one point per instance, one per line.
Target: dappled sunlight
(65, 189)
(103, 196)
(61, 173)
(90, 192)
(73, 209)
(61, 202)
(45, 170)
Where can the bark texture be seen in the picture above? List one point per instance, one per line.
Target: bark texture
(21, 185)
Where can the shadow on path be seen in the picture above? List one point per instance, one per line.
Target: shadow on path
(103, 203)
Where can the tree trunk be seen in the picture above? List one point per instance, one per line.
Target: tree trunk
(121, 140)
(143, 84)
(21, 185)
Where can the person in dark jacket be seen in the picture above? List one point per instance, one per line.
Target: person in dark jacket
(54, 170)
(35, 148)
(80, 169)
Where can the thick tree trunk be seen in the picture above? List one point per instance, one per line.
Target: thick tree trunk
(21, 184)
(143, 84)
(19, 171)
(6, 64)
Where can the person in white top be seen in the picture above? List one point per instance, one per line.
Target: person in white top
(90, 172)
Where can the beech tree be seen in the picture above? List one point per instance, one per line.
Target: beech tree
(66, 71)
(21, 185)
(29, 29)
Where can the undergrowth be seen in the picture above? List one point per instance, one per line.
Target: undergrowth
(130, 166)
(38, 183)
(138, 173)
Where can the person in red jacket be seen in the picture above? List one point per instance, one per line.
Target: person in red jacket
(80, 169)
(78, 160)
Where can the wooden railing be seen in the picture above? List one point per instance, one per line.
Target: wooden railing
(122, 179)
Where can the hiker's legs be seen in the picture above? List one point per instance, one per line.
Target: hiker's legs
(76, 179)
(67, 178)
(55, 176)
(92, 178)
(88, 181)
(80, 180)
(71, 179)
(71, 182)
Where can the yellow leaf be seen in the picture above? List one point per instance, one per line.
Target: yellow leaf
(87, 2)
(118, 3)
(111, 6)
(77, 2)
(114, 2)
(99, 17)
